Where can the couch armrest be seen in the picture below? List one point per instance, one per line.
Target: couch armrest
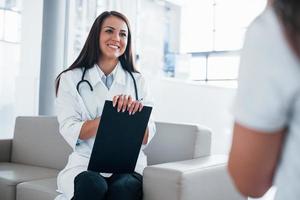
(197, 179)
(202, 145)
(5, 150)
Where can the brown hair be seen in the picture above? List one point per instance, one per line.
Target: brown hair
(90, 52)
(289, 13)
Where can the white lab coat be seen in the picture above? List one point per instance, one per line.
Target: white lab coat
(74, 108)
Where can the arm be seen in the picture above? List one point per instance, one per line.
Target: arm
(89, 129)
(146, 136)
(253, 159)
(68, 110)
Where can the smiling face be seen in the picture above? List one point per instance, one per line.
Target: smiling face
(113, 38)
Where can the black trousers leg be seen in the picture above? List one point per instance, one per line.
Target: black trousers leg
(89, 186)
(125, 187)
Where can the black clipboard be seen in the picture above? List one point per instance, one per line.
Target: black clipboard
(118, 140)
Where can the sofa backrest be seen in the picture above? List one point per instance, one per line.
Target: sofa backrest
(37, 142)
(175, 142)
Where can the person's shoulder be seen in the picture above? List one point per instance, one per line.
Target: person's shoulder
(262, 34)
(266, 21)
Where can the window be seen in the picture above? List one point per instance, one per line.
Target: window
(195, 40)
(10, 31)
(82, 14)
(10, 21)
(212, 32)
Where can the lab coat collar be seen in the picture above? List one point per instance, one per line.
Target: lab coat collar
(118, 74)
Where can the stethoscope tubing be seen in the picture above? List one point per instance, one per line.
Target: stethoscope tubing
(92, 89)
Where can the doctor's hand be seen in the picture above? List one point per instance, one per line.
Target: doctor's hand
(124, 102)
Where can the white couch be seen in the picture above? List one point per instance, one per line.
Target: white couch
(180, 164)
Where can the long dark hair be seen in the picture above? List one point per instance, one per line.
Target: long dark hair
(289, 13)
(90, 52)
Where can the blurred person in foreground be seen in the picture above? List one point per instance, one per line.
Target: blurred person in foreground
(266, 138)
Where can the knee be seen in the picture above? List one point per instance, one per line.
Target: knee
(84, 177)
(87, 182)
(128, 183)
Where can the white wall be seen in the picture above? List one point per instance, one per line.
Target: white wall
(181, 101)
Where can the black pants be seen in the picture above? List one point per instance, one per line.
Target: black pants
(92, 186)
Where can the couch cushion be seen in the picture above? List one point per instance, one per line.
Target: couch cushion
(175, 142)
(11, 174)
(203, 178)
(37, 141)
(7, 192)
(44, 189)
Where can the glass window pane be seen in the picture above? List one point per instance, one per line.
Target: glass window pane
(11, 4)
(2, 3)
(1, 24)
(101, 6)
(232, 18)
(10, 30)
(199, 41)
(223, 67)
(227, 83)
(81, 16)
(198, 68)
(197, 26)
(183, 66)
(9, 66)
(229, 39)
(12, 26)
(236, 13)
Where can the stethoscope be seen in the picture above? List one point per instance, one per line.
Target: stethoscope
(91, 87)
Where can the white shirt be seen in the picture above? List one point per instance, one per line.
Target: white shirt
(107, 80)
(268, 96)
(73, 108)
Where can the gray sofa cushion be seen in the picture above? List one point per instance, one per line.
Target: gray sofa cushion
(7, 192)
(12, 174)
(44, 189)
(37, 142)
(175, 142)
(5, 150)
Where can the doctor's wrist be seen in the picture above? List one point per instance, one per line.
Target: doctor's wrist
(89, 129)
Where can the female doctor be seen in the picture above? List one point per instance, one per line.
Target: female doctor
(104, 70)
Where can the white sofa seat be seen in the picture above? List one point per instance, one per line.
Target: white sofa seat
(12, 174)
(44, 189)
(202, 178)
